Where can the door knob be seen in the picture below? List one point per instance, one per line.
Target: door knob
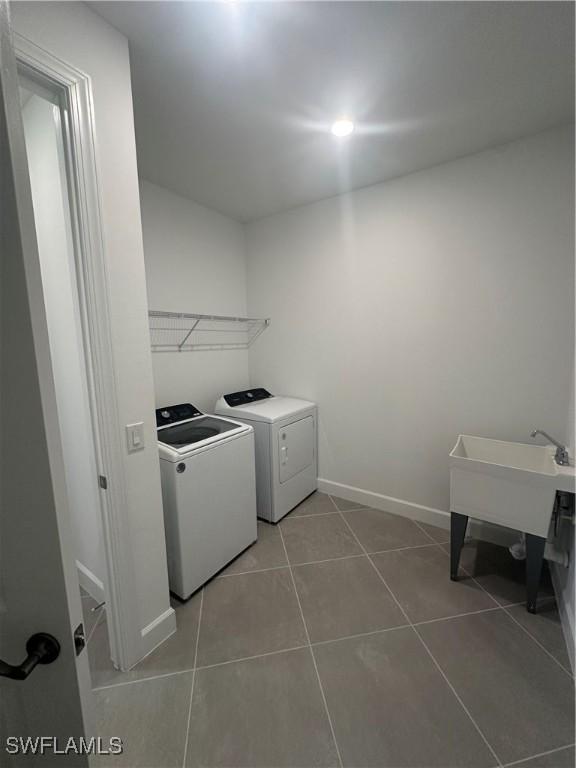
(41, 648)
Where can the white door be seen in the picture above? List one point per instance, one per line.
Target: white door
(38, 584)
(296, 447)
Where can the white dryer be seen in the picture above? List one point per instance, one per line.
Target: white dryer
(285, 436)
(208, 493)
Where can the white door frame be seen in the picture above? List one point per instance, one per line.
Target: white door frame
(93, 289)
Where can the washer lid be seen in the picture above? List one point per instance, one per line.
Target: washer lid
(175, 440)
(271, 409)
(194, 431)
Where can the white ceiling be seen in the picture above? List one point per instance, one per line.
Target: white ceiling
(233, 100)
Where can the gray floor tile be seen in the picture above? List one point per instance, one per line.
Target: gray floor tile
(344, 597)
(309, 539)
(378, 531)
(497, 571)
(439, 535)
(520, 698)
(267, 552)
(248, 615)
(545, 626)
(420, 580)
(563, 758)
(174, 655)
(390, 706)
(150, 717)
(316, 504)
(344, 505)
(260, 713)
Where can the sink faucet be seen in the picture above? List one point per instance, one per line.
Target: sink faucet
(561, 456)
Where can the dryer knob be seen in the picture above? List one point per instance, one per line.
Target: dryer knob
(180, 467)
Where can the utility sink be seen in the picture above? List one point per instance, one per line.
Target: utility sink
(510, 484)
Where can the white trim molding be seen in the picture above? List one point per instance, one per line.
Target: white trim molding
(126, 642)
(91, 583)
(159, 629)
(419, 512)
(400, 507)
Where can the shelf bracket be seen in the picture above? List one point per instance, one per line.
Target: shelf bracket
(185, 339)
(260, 330)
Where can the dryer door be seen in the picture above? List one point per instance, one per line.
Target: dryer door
(295, 447)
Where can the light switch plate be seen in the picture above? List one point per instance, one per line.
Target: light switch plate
(135, 437)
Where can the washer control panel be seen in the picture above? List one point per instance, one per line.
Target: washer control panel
(174, 413)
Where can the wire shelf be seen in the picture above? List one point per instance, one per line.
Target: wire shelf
(188, 332)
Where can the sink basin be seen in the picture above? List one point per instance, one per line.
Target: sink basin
(510, 484)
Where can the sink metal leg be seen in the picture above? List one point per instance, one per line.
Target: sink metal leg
(534, 557)
(458, 524)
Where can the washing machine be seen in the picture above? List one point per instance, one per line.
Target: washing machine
(285, 437)
(208, 493)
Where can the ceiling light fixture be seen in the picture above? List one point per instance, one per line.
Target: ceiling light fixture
(342, 127)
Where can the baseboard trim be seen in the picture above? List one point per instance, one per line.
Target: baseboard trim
(418, 512)
(90, 582)
(566, 617)
(401, 507)
(158, 631)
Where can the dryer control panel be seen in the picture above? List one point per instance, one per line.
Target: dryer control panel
(173, 413)
(246, 396)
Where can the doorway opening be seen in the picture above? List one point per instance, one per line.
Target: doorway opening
(46, 130)
(44, 118)
(58, 132)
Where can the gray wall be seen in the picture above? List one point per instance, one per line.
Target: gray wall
(194, 263)
(438, 303)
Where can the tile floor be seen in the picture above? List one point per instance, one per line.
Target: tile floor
(339, 640)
